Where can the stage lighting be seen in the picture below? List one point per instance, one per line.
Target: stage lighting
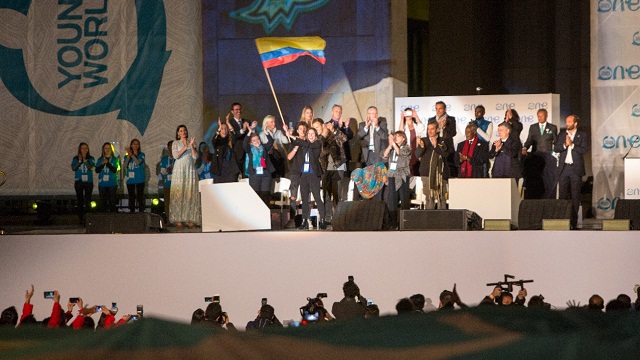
(93, 204)
(155, 202)
(35, 206)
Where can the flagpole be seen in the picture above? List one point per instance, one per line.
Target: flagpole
(266, 71)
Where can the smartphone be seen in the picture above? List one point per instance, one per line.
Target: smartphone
(369, 302)
(208, 299)
(408, 113)
(74, 300)
(134, 318)
(139, 310)
(264, 301)
(48, 294)
(351, 278)
(216, 298)
(114, 306)
(98, 308)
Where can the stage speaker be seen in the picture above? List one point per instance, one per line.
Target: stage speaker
(123, 223)
(439, 220)
(364, 215)
(628, 209)
(532, 212)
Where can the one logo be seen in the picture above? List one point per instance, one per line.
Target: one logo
(604, 203)
(621, 142)
(635, 111)
(604, 5)
(134, 96)
(271, 13)
(619, 72)
(636, 38)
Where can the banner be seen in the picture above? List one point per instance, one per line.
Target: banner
(463, 109)
(615, 97)
(93, 71)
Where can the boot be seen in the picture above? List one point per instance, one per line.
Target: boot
(304, 225)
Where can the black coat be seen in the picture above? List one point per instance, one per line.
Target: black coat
(444, 149)
(314, 148)
(479, 160)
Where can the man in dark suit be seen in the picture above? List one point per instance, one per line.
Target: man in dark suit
(506, 151)
(472, 155)
(446, 129)
(572, 144)
(240, 130)
(373, 137)
(540, 165)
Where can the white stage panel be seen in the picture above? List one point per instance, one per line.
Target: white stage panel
(489, 198)
(232, 207)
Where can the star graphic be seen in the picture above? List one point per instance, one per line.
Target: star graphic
(271, 13)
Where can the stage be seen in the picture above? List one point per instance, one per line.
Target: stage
(171, 273)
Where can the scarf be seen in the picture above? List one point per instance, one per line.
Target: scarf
(466, 169)
(257, 157)
(436, 169)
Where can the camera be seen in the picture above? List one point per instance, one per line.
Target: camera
(350, 278)
(216, 298)
(114, 306)
(408, 113)
(134, 318)
(139, 310)
(314, 310)
(98, 308)
(264, 301)
(48, 294)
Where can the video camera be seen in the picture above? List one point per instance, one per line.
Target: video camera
(314, 310)
(507, 285)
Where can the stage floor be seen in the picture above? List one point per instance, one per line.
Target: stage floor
(170, 274)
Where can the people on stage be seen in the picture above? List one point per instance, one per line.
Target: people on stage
(166, 172)
(260, 166)
(185, 202)
(414, 129)
(398, 155)
(484, 128)
(82, 165)
(472, 155)
(540, 166)
(373, 137)
(134, 166)
(280, 142)
(235, 119)
(343, 124)
(107, 169)
(307, 115)
(307, 160)
(433, 152)
(572, 144)
(512, 118)
(447, 130)
(333, 160)
(203, 162)
(224, 166)
(506, 152)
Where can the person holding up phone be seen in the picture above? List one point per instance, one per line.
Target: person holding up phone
(414, 129)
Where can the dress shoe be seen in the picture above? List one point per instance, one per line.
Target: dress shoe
(322, 225)
(304, 225)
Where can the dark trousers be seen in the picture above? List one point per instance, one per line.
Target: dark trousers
(108, 198)
(310, 183)
(167, 201)
(331, 190)
(570, 184)
(136, 195)
(83, 198)
(392, 196)
(261, 184)
(550, 176)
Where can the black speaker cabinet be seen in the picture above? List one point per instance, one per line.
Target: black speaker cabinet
(364, 215)
(439, 220)
(123, 223)
(279, 218)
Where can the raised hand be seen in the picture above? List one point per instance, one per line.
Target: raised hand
(28, 295)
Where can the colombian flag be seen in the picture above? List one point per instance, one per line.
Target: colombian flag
(275, 51)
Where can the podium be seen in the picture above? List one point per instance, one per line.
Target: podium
(631, 178)
(232, 207)
(489, 198)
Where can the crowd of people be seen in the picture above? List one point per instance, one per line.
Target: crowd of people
(352, 306)
(315, 154)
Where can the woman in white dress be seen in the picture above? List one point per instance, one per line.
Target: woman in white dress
(184, 206)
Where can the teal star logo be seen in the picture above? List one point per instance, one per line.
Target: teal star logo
(271, 13)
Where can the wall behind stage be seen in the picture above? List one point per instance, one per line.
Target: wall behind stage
(365, 53)
(96, 71)
(615, 97)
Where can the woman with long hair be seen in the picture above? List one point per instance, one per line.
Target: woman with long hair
(260, 166)
(82, 165)
(224, 166)
(413, 129)
(398, 153)
(134, 165)
(307, 115)
(307, 160)
(107, 169)
(185, 202)
(512, 118)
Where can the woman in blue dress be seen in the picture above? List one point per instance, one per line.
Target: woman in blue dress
(107, 168)
(134, 167)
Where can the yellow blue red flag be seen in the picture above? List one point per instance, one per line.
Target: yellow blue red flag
(275, 51)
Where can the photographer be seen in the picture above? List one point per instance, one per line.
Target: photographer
(214, 316)
(349, 307)
(314, 310)
(266, 318)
